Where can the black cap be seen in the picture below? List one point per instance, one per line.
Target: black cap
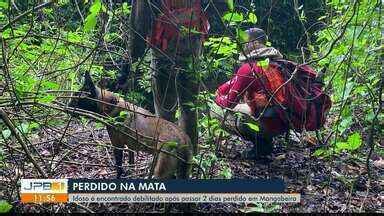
(257, 34)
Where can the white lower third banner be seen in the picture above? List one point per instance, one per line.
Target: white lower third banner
(184, 198)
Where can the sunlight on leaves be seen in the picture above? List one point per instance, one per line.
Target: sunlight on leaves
(230, 5)
(253, 127)
(91, 19)
(5, 206)
(252, 18)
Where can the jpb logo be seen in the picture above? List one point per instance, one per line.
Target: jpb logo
(44, 185)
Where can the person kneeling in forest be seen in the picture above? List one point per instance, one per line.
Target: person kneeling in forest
(281, 94)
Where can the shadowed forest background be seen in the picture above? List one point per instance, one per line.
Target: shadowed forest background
(47, 46)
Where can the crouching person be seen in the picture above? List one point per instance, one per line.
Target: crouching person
(280, 94)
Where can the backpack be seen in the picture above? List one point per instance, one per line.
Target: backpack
(169, 25)
(307, 104)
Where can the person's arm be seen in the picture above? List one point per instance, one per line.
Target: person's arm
(224, 88)
(243, 79)
(221, 94)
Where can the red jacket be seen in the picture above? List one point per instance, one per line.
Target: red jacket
(255, 85)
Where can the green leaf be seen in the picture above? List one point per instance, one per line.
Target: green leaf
(230, 5)
(341, 146)
(252, 18)
(226, 172)
(190, 104)
(6, 133)
(90, 22)
(99, 125)
(253, 127)
(318, 152)
(126, 9)
(354, 141)
(170, 145)
(23, 128)
(50, 85)
(3, 5)
(91, 19)
(96, 6)
(5, 206)
(242, 35)
(123, 114)
(34, 126)
(233, 17)
(263, 63)
(47, 99)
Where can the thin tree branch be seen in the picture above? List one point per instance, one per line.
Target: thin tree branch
(17, 135)
(38, 7)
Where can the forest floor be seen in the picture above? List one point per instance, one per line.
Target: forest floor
(339, 185)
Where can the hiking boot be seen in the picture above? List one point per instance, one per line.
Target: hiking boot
(262, 148)
(253, 154)
(249, 155)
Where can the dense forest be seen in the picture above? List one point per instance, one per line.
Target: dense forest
(52, 50)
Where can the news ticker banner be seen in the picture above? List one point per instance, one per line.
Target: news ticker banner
(154, 191)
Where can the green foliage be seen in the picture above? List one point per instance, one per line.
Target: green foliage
(225, 172)
(170, 145)
(263, 63)
(242, 35)
(3, 4)
(253, 127)
(252, 18)
(123, 114)
(353, 70)
(352, 144)
(6, 133)
(233, 17)
(90, 21)
(205, 161)
(50, 54)
(223, 46)
(261, 207)
(230, 5)
(5, 206)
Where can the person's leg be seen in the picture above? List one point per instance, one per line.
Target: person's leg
(187, 91)
(187, 59)
(262, 140)
(163, 87)
(262, 146)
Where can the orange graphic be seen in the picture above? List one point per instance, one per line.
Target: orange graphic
(44, 197)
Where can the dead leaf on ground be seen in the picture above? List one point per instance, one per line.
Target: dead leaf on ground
(379, 163)
(311, 141)
(280, 157)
